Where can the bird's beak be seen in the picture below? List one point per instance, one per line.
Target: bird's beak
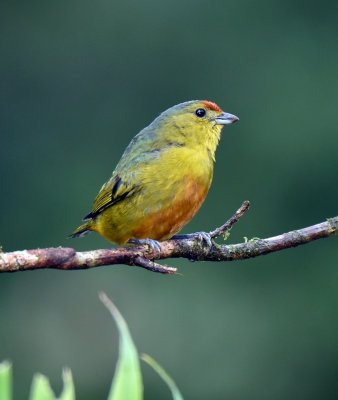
(225, 119)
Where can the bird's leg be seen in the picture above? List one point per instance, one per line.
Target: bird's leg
(153, 244)
(201, 236)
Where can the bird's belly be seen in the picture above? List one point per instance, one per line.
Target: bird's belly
(167, 220)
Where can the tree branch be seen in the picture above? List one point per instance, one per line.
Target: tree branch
(143, 256)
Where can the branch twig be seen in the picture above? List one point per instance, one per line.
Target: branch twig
(238, 214)
(142, 256)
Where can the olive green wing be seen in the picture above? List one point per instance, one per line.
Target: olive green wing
(112, 192)
(144, 149)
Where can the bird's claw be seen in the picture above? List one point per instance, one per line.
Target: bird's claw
(153, 244)
(204, 237)
(201, 236)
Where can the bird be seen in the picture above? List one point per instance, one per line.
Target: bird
(162, 178)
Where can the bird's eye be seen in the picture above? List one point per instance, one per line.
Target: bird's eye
(200, 112)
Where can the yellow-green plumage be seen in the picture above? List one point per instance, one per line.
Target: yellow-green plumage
(162, 178)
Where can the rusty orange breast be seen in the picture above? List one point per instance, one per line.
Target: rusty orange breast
(165, 222)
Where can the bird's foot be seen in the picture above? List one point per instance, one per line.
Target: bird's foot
(153, 244)
(201, 236)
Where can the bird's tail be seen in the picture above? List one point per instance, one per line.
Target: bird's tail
(82, 230)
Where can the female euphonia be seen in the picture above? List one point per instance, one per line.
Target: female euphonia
(162, 178)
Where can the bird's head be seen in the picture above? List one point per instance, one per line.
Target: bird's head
(195, 123)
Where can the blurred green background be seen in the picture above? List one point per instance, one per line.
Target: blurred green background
(78, 80)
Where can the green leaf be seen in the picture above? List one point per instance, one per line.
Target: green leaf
(5, 380)
(127, 382)
(68, 392)
(41, 389)
(167, 379)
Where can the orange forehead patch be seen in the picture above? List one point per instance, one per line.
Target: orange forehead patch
(211, 106)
